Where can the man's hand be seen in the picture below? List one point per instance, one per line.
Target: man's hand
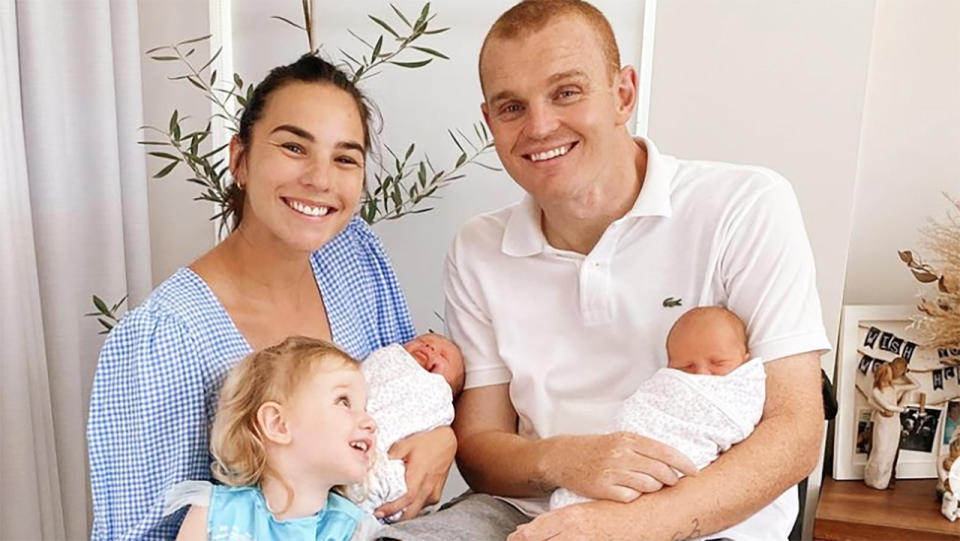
(427, 457)
(595, 521)
(619, 466)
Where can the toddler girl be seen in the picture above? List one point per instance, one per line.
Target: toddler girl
(290, 429)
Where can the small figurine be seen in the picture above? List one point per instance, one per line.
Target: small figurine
(949, 473)
(891, 383)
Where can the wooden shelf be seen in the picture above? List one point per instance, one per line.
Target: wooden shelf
(852, 511)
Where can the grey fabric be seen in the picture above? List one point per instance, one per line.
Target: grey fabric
(469, 517)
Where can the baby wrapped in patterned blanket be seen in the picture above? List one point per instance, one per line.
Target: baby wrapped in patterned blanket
(411, 388)
(708, 398)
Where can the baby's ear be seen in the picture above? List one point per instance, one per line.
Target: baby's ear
(273, 424)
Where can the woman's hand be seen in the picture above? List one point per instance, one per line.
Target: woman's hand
(427, 457)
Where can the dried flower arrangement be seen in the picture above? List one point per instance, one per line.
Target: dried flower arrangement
(938, 319)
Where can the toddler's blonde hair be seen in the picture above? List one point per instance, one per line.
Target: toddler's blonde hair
(271, 374)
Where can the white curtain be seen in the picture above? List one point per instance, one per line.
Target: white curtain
(73, 222)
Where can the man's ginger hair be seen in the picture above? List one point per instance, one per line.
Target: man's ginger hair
(530, 16)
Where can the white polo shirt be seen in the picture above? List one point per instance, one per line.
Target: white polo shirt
(575, 335)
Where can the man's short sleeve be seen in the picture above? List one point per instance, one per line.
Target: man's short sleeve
(769, 274)
(468, 322)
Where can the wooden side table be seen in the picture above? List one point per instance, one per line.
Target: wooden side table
(852, 511)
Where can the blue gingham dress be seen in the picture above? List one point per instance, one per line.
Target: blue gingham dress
(155, 389)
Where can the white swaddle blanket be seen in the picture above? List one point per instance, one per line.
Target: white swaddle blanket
(403, 399)
(699, 415)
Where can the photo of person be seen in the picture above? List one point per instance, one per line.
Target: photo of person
(918, 429)
(864, 432)
(952, 421)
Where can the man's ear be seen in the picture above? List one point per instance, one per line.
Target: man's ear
(273, 424)
(486, 115)
(626, 84)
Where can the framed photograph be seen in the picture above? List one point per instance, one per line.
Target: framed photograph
(871, 335)
(950, 432)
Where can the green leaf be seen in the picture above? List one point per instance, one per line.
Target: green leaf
(214, 151)
(359, 38)
(105, 324)
(165, 58)
(288, 21)
(461, 160)
(431, 52)
(212, 59)
(155, 49)
(377, 47)
(437, 31)
(102, 306)
(456, 142)
(166, 170)
(418, 64)
(195, 40)
(161, 143)
(409, 153)
(424, 13)
(164, 155)
(485, 166)
(213, 77)
(238, 81)
(173, 120)
(196, 83)
(399, 14)
(422, 175)
(385, 26)
(120, 302)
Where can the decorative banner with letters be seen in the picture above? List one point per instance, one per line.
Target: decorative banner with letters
(889, 342)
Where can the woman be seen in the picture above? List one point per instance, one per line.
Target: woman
(297, 263)
(890, 384)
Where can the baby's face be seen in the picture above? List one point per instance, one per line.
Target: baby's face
(714, 349)
(438, 355)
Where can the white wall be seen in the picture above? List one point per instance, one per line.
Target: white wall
(910, 148)
(179, 227)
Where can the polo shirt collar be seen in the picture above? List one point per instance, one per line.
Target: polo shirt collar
(654, 197)
(523, 234)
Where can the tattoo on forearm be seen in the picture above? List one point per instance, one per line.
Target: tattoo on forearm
(694, 532)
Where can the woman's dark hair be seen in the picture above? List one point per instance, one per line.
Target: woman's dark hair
(308, 69)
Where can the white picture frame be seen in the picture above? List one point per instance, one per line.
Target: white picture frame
(852, 382)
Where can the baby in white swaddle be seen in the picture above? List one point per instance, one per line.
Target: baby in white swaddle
(709, 397)
(410, 389)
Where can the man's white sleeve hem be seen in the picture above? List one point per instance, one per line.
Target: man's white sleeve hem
(793, 345)
(487, 376)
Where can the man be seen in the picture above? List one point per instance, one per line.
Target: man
(562, 303)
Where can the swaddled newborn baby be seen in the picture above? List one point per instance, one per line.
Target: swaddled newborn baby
(709, 397)
(410, 389)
